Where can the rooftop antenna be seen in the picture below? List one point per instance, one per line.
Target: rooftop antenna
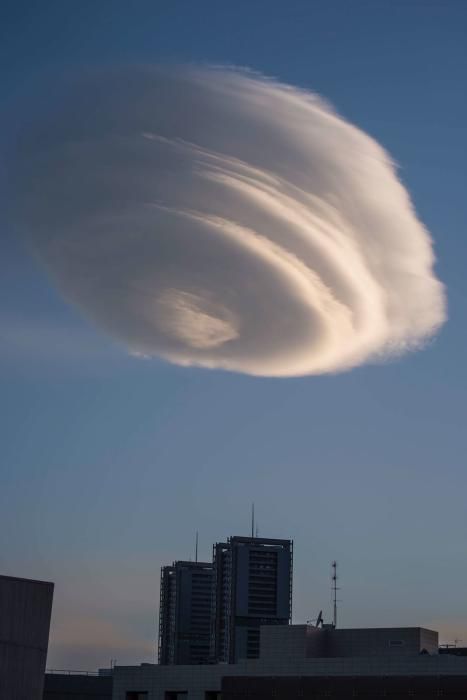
(252, 520)
(318, 622)
(334, 593)
(196, 547)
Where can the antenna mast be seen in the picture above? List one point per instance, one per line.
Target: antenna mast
(252, 520)
(196, 547)
(334, 593)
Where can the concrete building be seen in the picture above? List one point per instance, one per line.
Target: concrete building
(300, 661)
(252, 587)
(453, 649)
(77, 686)
(25, 610)
(397, 687)
(185, 613)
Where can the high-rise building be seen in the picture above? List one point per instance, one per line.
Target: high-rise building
(252, 587)
(185, 613)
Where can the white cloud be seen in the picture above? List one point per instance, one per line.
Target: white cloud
(216, 218)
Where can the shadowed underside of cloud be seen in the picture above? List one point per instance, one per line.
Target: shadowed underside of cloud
(216, 218)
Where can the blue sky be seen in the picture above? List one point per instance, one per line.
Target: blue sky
(109, 464)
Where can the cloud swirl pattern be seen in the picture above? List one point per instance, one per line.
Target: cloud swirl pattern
(213, 217)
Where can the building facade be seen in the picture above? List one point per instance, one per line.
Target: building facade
(344, 687)
(185, 613)
(301, 661)
(66, 685)
(25, 610)
(252, 587)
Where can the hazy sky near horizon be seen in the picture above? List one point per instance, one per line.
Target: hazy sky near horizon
(110, 463)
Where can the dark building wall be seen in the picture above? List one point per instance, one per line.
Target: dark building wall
(185, 613)
(167, 613)
(340, 687)
(25, 609)
(429, 641)
(454, 651)
(382, 641)
(252, 587)
(77, 687)
(306, 641)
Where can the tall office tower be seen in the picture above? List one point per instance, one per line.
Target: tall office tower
(252, 587)
(185, 613)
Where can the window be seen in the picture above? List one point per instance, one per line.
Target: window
(396, 643)
(136, 695)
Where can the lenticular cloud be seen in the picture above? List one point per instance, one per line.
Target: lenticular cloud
(213, 217)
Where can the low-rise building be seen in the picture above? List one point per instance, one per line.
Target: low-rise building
(69, 685)
(299, 660)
